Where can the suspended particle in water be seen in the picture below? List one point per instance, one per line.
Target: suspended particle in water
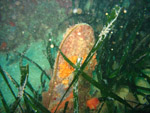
(52, 46)
(111, 32)
(77, 11)
(50, 39)
(124, 11)
(121, 27)
(113, 42)
(145, 78)
(106, 14)
(137, 33)
(22, 32)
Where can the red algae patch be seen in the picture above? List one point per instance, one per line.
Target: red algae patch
(92, 103)
(3, 46)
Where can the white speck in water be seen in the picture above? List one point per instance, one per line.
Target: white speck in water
(121, 26)
(106, 14)
(124, 11)
(137, 33)
(52, 46)
(75, 10)
(50, 39)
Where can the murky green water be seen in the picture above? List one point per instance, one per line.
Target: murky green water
(31, 32)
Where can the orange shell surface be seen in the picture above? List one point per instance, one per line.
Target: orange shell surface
(77, 43)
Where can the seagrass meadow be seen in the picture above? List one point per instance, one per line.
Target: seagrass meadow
(75, 56)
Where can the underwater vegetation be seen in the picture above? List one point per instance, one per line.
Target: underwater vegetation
(102, 63)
